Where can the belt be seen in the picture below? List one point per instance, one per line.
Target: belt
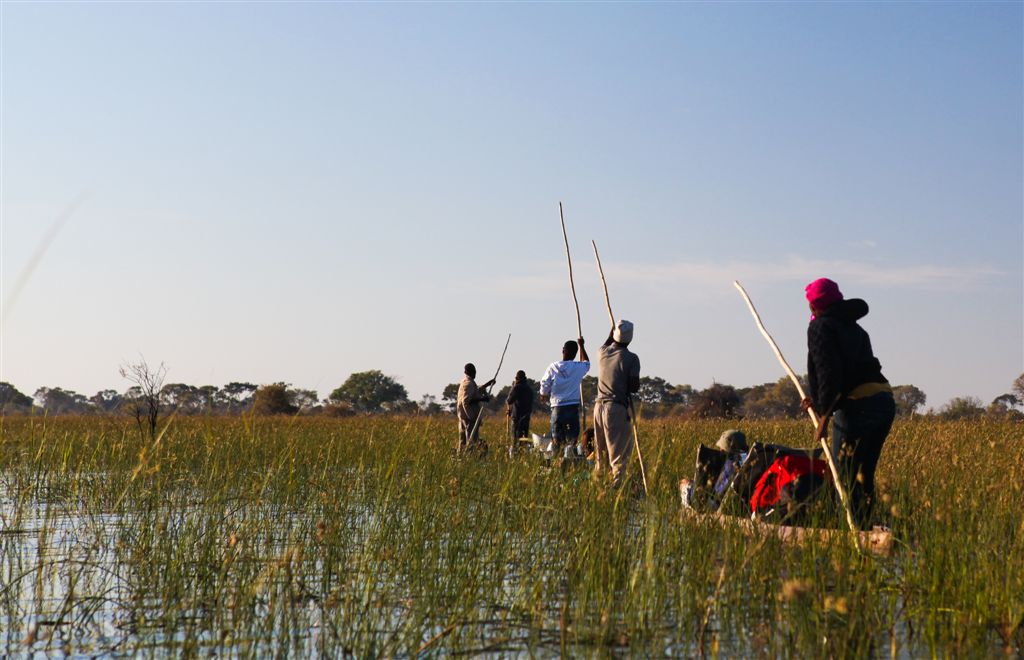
(864, 390)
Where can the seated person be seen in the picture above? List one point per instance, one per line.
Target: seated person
(734, 444)
(717, 469)
(771, 481)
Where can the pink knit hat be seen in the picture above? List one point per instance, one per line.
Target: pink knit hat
(823, 293)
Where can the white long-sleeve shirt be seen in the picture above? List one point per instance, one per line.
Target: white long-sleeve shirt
(562, 381)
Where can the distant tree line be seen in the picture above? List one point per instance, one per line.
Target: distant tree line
(372, 392)
(364, 392)
(777, 400)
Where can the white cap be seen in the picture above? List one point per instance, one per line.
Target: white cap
(623, 332)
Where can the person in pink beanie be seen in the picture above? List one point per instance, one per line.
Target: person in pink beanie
(845, 381)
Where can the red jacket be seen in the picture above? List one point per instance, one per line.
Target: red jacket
(784, 471)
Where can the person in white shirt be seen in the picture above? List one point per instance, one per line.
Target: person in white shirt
(560, 387)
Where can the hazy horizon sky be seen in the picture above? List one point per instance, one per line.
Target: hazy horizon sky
(298, 191)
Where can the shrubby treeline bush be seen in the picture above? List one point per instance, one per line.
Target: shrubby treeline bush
(372, 392)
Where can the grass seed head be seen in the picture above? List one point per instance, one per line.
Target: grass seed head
(837, 605)
(794, 589)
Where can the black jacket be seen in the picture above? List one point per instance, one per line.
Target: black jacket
(520, 398)
(839, 356)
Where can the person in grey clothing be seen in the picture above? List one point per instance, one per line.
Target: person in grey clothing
(618, 378)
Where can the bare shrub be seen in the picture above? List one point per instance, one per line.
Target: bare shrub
(143, 398)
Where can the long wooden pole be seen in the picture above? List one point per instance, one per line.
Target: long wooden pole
(502, 360)
(572, 285)
(818, 425)
(632, 412)
(604, 284)
(509, 430)
(607, 302)
(576, 302)
(775, 347)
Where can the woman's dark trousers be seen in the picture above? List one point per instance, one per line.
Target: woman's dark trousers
(859, 430)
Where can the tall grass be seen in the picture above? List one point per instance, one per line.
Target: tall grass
(370, 537)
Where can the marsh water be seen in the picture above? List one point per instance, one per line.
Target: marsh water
(369, 541)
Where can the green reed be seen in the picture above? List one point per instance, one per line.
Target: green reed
(369, 536)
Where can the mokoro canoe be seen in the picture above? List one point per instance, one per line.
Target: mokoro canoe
(878, 540)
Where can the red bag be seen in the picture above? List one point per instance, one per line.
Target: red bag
(780, 473)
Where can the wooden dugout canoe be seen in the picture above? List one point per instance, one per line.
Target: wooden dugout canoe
(878, 540)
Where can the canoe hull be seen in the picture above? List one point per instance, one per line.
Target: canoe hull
(878, 540)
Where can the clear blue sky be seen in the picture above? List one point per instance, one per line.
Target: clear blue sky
(300, 191)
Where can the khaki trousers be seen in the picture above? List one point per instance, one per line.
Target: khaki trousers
(612, 432)
(465, 426)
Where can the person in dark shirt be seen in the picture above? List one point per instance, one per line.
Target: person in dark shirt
(520, 405)
(845, 380)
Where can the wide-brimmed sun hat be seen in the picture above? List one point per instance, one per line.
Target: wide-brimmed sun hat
(732, 441)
